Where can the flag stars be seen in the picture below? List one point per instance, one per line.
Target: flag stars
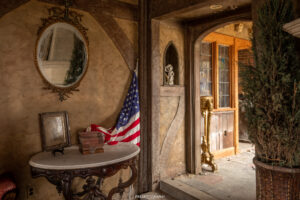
(131, 104)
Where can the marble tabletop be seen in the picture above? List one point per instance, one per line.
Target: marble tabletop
(73, 159)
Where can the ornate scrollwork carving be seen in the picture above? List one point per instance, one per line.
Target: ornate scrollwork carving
(62, 179)
(57, 14)
(120, 188)
(91, 190)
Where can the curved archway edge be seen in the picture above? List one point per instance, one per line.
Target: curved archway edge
(196, 31)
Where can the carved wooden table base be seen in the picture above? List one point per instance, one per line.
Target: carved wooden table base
(91, 190)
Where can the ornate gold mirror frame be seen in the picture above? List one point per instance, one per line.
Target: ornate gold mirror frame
(58, 15)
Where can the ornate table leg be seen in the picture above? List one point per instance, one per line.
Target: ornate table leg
(120, 188)
(61, 179)
(91, 190)
(66, 186)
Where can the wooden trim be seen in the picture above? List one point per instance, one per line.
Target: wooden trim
(231, 68)
(242, 44)
(197, 117)
(219, 38)
(224, 109)
(144, 69)
(171, 91)
(236, 98)
(155, 101)
(215, 73)
(190, 141)
(216, 68)
(224, 153)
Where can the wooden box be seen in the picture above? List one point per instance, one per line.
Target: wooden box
(91, 142)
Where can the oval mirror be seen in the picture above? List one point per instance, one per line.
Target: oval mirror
(62, 55)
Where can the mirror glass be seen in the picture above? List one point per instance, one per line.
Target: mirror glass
(62, 54)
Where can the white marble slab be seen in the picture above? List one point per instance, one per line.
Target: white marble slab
(73, 159)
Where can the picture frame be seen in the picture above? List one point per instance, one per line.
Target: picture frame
(54, 131)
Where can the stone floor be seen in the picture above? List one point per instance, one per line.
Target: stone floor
(234, 180)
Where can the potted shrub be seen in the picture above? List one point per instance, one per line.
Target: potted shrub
(272, 101)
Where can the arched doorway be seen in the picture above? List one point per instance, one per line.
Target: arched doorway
(217, 58)
(225, 92)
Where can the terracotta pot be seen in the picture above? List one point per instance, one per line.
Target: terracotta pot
(276, 183)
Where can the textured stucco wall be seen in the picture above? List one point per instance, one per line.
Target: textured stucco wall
(175, 164)
(130, 28)
(246, 32)
(169, 105)
(99, 100)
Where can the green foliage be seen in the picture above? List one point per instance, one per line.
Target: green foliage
(77, 62)
(272, 88)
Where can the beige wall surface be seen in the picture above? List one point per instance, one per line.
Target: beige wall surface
(99, 100)
(169, 106)
(175, 163)
(244, 33)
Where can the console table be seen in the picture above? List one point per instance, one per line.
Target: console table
(61, 169)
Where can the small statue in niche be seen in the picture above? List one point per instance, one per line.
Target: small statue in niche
(169, 74)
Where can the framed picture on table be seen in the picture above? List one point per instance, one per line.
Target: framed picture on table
(55, 131)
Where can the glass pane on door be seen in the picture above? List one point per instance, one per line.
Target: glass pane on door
(224, 80)
(206, 69)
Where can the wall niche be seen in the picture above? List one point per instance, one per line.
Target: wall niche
(171, 68)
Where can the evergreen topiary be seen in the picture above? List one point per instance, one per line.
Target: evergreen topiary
(272, 88)
(77, 62)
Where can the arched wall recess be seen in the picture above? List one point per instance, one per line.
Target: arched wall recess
(171, 66)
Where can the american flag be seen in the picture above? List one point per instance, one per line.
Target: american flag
(127, 128)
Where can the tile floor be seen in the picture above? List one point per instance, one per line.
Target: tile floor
(234, 180)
